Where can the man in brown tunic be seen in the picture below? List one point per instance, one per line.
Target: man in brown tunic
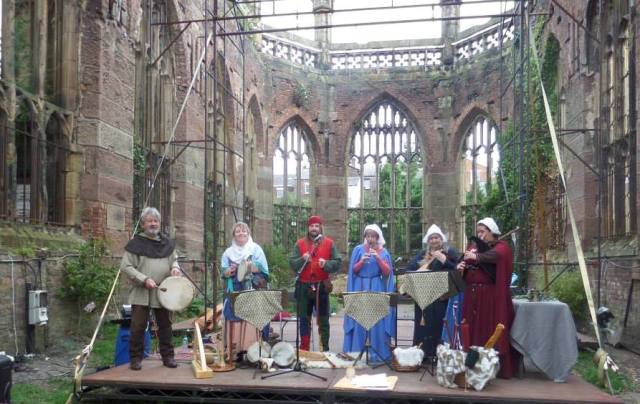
(149, 258)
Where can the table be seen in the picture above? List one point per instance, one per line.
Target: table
(546, 334)
(283, 323)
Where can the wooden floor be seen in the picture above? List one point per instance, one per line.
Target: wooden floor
(158, 383)
(178, 385)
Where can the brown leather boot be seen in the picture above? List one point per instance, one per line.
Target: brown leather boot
(169, 362)
(135, 364)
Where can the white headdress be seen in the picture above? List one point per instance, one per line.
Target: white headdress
(434, 229)
(237, 253)
(490, 224)
(377, 229)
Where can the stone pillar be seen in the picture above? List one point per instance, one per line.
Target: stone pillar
(450, 29)
(39, 74)
(8, 75)
(39, 48)
(70, 42)
(322, 13)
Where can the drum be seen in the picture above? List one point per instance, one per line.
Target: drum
(243, 271)
(283, 354)
(252, 352)
(175, 293)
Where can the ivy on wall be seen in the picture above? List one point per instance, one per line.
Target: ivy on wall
(502, 200)
(139, 173)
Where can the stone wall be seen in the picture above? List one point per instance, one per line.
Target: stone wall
(581, 85)
(67, 320)
(441, 104)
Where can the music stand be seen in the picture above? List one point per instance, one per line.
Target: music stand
(367, 309)
(298, 366)
(425, 287)
(257, 307)
(396, 272)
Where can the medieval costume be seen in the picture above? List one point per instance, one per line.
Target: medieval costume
(312, 282)
(248, 254)
(373, 273)
(487, 297)
(148, 257)
(428, 322)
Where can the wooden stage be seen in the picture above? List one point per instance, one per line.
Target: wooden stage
(158, 383)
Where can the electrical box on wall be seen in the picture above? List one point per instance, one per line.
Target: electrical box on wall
(38, 307)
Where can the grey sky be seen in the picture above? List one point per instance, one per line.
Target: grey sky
(378, 32)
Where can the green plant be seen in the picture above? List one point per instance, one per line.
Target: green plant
(585, 367)
(568, 288)
(280, 275)
(103, 353)
(88, 278)
(301, 95)
(52, 391)
(139, 169)
(335, 303)
(27, 251)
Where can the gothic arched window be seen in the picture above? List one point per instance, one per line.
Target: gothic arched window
(292, 185)
(157, 111)
(4, 171)
(252, 141)
(28, 168)
(592, 34)
(480, 163)
(56, 152)
(618, 154)
(384, 179)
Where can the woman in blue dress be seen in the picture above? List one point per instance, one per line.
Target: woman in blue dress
(370, 269)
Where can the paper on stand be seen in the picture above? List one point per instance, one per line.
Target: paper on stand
(378, 381)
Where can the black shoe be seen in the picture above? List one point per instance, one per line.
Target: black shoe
(170, 363)
(135, 365)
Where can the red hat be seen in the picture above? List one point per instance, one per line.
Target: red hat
(314, 220)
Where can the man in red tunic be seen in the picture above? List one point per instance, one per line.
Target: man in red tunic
(313, 258)
(487, 297)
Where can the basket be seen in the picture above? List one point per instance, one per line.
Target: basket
(461, 380)
(401, 368)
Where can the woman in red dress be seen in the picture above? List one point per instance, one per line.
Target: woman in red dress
(487, 297)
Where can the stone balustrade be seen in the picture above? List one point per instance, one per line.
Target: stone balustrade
(427, 57)
(290, 51)
(482, 41)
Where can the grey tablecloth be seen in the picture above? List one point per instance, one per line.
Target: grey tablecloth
(546, 334)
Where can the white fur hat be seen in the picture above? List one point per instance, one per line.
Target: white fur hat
(490, 224)
(434, 229)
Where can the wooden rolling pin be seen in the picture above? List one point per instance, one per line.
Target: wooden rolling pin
(473, 356)
(495, 337)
